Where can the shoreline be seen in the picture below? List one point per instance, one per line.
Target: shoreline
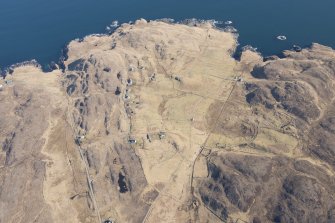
(52, 65)
(162, 119)
(219, 25)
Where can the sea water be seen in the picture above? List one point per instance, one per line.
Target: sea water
(39, 29)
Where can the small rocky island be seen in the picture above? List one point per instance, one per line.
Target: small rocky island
(157, 122)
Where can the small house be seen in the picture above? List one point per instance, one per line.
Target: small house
(132, 141)
(129, 82)
(161, 135)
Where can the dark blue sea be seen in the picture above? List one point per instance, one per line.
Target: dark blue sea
(39, 29)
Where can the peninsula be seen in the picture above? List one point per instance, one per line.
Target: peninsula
(157, 122)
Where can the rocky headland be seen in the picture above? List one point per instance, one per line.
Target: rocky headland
(157, 122)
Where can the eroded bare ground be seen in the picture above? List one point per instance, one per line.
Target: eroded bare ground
(158, 123)
(277, 162)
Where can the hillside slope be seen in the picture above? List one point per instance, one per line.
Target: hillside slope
(158, 122)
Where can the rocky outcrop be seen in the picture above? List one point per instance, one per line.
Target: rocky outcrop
(265, 181)
(157, 122)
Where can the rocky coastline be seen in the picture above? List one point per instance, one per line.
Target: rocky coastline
(159, 122)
